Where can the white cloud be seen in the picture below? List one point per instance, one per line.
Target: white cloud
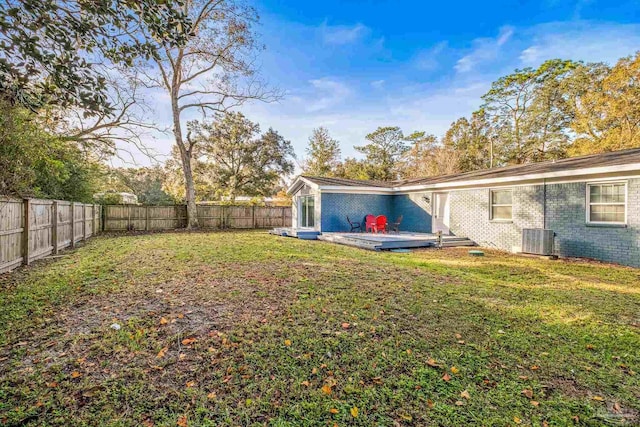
(428, 59)
(484, 49)
(584, 41)
(328, 93)
(343, 34)
(377, 84)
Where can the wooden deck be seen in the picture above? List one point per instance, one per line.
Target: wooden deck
(402, 240)
(300, 233)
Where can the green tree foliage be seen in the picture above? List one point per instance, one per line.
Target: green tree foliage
(34, 163)
(382, 153)
(49, 49)
(426, 157)
(323, 154)
(529, 113)
(472, 140)
(606, 106)
(146, 183)
(240, 161)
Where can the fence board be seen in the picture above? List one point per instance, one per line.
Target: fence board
(136, 217)
(18, 247)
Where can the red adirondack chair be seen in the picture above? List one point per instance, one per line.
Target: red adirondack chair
(370, 223)
(381, 224)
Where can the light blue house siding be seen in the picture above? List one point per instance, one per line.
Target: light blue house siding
(415, 209)
(564, 212)
(337, 206)
(566, 215)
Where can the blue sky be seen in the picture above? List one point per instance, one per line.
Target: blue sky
(355, 65)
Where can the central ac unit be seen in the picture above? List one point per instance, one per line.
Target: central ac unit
(537, 241)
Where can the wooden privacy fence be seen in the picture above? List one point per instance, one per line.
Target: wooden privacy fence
(136, 217)
(31, 229)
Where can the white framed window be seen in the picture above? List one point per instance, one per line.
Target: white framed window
(501, 204)
(607, 203)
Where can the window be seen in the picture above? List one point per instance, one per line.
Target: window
(307, 211)
(502, 205)
(607, 203)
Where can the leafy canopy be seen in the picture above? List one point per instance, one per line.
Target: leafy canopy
(50, 49)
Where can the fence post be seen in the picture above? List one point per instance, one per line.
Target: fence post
(146, 218)
(253, 216)
(103, 215)
(54, 226)
(282, 210)
(84, 221)
(94, 229)
(73, 224)
(26, 231)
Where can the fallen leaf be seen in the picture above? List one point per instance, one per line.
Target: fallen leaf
(459, 403)
(163, 321)
(517, 420)
(354, 412)
(409, 351)
(211, 395)
(75, 374)
(430, 403)
(52, 384)
(162, 352)
(305, 383)
(190, 383)
(528, 393)
(406, 417)
(458, 336)
(188, 341)
(454, 370)
(180, 316)
(535, 367)
(326, 389)
(334, 411)
(598, 398)
(446, 377)
(616, 407)
(182, 421)
(465, 394)
(345, 325)
(590, 347)
(535, 403)
(432, 363)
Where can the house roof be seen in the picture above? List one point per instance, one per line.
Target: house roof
(345, 182)
(614, 158)
(615, 161)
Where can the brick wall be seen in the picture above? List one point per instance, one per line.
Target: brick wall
(566, 215)
(470, 217)
(336, 207)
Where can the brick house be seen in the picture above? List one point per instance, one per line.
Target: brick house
(592, 203)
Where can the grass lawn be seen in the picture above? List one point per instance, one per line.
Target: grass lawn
(243, 328)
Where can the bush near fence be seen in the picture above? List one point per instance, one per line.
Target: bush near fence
(149, 218)
(31, 229)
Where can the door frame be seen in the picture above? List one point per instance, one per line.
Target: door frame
(301, 217)
(446, 230)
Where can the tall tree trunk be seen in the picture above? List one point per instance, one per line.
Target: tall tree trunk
(189, 187)
(185, 155)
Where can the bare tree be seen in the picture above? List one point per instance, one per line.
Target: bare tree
(214, 71)
(100, 132)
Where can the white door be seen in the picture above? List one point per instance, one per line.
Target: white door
(440, 220)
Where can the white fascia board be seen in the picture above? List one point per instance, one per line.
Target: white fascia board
(357, 190)
(298, 182)
(530, 177)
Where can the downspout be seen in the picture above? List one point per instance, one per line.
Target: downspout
(544, 203)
